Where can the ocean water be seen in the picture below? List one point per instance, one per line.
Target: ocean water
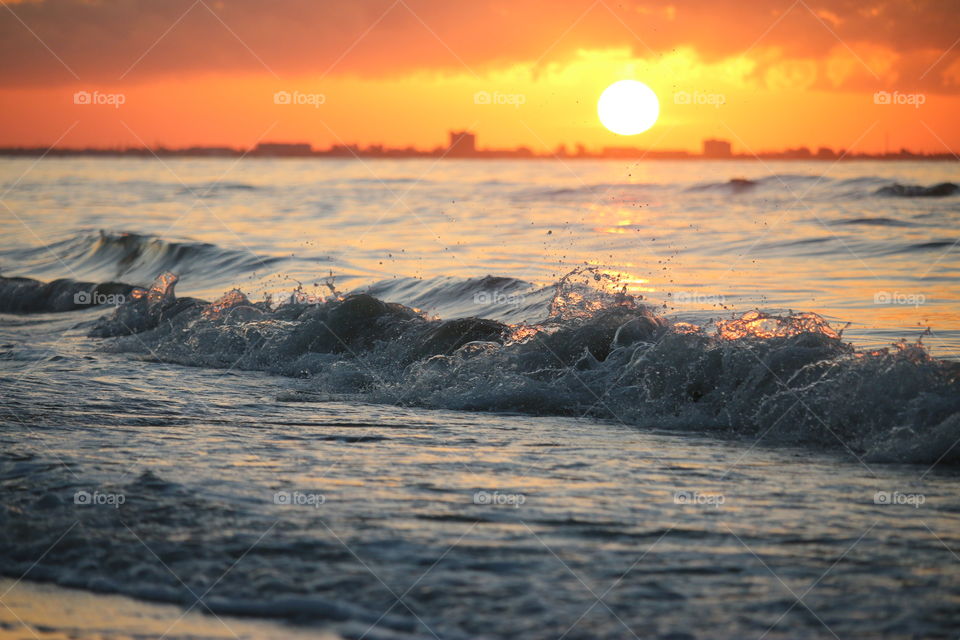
(482, 399)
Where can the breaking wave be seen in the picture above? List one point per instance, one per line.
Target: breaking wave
(597, 352)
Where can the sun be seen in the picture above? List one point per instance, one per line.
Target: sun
(628, 107)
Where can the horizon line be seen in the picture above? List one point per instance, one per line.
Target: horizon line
(463, 144)
(305, 150)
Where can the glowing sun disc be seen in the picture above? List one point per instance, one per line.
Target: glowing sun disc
(628, 107)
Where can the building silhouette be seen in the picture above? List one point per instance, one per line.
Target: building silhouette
(716, 149)
(463, 144)
(282, 149)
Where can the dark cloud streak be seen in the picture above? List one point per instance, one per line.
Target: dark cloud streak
(101, 39)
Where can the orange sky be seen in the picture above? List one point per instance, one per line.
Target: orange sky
(765, 74)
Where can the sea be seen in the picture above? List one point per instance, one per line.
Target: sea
(434, 398)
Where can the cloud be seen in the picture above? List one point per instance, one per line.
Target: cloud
(46, 42)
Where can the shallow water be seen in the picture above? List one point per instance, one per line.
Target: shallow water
(48, 612)
(575, 509)
(593, 468)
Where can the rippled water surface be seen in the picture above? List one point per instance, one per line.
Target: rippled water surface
(838, 239)
(646, 422)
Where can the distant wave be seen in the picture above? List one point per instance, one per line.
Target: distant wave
(595, 190)
(598, 352)
(132, 257)
(795, 184)
(875, 222)
(802, 246)
(212, 189)
(898, 190)
(742, 185)
(398, 180)
(734, 185)
(928, 246)
(850, 188)
(861, 181)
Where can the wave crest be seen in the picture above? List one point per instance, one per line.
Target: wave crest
(790, 378)
(135, 258)
(898, 190)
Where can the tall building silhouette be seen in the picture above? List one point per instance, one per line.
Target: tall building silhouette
(462, 144)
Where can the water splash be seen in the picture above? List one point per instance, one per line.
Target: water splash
(757, 324)
(601, 352)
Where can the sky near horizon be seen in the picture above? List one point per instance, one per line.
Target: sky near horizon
(765, 74)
